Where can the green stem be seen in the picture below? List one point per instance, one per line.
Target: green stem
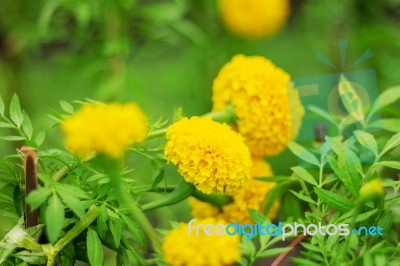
(182, 191)
(134, 209)
(61, 173)
(81, 225)
(215, 199)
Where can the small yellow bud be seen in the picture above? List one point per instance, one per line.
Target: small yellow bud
(372, 189)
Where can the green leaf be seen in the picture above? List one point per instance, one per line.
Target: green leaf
(303, 197)
(387, 97)
(273, 252)
(116, 230)
(393, 142)
(334, 200)
(6, 125)
(256, 216)
(54, 218)
(12, 138)
(15, 111)
(304, 174)
(1, 106)
(27, 127)
(94, 248)
(367, 140)
(73, 190)
(38, 197)
(72, 202)
(136, 231)
(67, 107)
(351, 101)
(347, 166)
(391, 164)
(40, 137)
(322, 113)
(390, 124)
(302, 153)
(102, 221)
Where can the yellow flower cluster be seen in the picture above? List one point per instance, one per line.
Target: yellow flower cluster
(251, 196)
(181, 249)
(254, 18)
(104, 128)
(208, 154)
(260, 93)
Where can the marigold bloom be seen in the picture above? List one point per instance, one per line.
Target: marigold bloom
(208, 154)
(263, 98)
(181, 249)
(251, 196)
(104, 128)
(254, 18)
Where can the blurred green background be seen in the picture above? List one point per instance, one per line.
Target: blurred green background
(165, 54)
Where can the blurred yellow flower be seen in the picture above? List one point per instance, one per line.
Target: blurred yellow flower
(208, 154)
(104, 128)
(254, 18)
(268, 108)
(181, 249)
(251, 196)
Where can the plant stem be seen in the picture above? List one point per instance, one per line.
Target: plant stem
(60, 173)
(134, 209)
(292, 244)
(81, 225)
(215, 199)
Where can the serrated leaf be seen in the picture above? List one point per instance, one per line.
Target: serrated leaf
(1, 105)
(303, 197)
(367, 140)
(54, 218)
(136, 231)
(302, 153)
(15, 111)
(334, 200)
(322, 113)
(387, 97)
(94, 248)
(347, 166)
(38, 197)
(351, 101)
(73, 190)
(304, 174)
(67, 107)
(393, 142)
(72, 202)
(273, 252)
(102, 221)
(116, 231)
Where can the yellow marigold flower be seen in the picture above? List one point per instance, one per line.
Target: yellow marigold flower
(208, 154)
(251, 196)
(181, 249)
(254, 18)
(264, 99)
(104, 128)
